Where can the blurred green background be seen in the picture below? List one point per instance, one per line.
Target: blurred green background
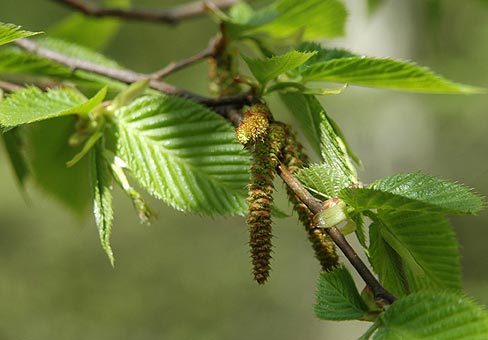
(188, 277)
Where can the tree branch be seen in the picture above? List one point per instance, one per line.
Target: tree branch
(129, 76)
(175, 66)
(316, 206)
(169, 16)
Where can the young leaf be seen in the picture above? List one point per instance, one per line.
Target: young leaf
(184, 154)
(433, 315)
(414, 192)
(426, 246)
(9, 33)
(101, 183)
(384, 73)
(320, 179)
(32, 104)
(267, 69)
(317, 18)
(322, 132)
(337, 296)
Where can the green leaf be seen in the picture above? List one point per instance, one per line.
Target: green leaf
(374, 5)
(337, 296)
(9, 33)
(320, 179)
(267, 69)
(433, 315)
(334, 151)
(47, 151)
(32, 104)
(384, 73)
(317, 18)
(419, 248)
(90, 32)
(184, 154)
(101, 183)
(414, 192)
(14, 146)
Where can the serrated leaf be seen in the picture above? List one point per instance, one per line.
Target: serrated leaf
(267, 69)
(317, 18)
(433, 315)
(9, 33)
(337, 296)
(414, 192)
(322, 180)
(426, 246)
(101, 183)
(90, 32)
(384, 73)
(184, 154)
(334, 151)
(32, 104)
(322, 132)
(47, 151)
(14, 146)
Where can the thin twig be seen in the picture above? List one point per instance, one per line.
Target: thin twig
(175, 66)
(9, 87)
(315, 205)
(169, 16)
(128, 76)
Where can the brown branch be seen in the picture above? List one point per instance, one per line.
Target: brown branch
(315, 205)
(175, 66)
(129, 76)
(169, 16)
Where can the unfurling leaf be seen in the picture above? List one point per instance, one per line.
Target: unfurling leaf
(183, 153)
(266, 70)
(338, 298)
(433, 315)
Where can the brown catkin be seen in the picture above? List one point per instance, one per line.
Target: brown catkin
(294, 158)
(265, 155)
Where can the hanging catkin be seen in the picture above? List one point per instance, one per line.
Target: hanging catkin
(265, 142)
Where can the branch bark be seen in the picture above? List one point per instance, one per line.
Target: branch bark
(169, 16)
(128, 76)
(380, 293)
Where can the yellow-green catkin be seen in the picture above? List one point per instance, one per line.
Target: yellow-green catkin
(254, 125)
(294, 158)
(265, 141)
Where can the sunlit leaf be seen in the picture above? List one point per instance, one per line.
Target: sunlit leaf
(337, 297)
(414, 251)
(184, 154)
(32, 104)
(322, 180)
(9, 33)
(414, 192)
(433, 315)
(384, 73)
